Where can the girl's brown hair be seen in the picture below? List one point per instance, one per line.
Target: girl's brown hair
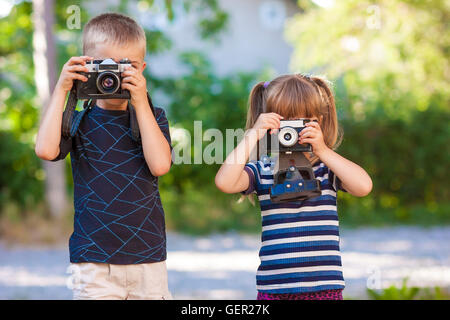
(297, 96)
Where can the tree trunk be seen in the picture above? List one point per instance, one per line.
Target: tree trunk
(45, 65)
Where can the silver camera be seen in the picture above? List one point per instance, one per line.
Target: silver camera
(104, 80)
(289, 133)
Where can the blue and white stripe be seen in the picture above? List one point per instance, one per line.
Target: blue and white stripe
(300, 240)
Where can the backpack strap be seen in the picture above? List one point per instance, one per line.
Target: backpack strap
(68, 113)
(133, 119)
(70, 124)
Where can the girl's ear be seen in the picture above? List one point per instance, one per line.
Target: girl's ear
(321, 119)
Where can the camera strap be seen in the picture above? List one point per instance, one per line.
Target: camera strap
(294, 179)
(70, 124)
(68, 113)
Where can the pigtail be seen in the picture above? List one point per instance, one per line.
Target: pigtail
(331, 130)
(256, 103)
(256, 106)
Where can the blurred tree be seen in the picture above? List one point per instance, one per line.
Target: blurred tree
(45, 80)
(391, 56)
(389, 60)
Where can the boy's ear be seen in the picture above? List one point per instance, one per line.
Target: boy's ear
(144, 64)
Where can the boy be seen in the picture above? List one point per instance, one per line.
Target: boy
(118, 247)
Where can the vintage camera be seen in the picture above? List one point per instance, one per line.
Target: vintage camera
(104, 80)
(288, 137)
(294, 179)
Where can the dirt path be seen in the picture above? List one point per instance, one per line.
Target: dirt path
(224, 266)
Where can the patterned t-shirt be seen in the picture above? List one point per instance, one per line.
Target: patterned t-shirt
(300, 240)
(119, 218)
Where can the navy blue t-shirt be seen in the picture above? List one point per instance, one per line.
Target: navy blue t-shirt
(119, 218)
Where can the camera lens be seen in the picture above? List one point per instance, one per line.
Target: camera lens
(108, 82)
(287, 136)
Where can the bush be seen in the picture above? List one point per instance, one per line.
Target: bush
(21, 179)
(408, 293)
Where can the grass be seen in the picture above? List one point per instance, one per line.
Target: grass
(409, 293)
(33, 227)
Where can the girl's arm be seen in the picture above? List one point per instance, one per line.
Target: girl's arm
(355, 179)
(231, 177)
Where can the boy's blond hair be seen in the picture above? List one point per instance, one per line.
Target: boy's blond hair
(114, 28)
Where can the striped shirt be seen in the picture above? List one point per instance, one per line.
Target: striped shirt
(300, 240)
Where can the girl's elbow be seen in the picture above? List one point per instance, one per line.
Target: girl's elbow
(221, 184)
(365, 189)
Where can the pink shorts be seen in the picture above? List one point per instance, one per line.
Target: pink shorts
(318, 295)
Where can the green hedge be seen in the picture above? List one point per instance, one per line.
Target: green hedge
(406, 158)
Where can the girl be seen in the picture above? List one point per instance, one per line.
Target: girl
(300, 257)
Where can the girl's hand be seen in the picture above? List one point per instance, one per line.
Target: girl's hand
(265, 122)
(70, 70)
(312, 134)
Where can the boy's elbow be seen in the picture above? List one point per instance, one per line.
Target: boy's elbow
(160, 170)
(45, 154)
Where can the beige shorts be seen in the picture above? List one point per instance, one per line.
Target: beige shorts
(102, 281)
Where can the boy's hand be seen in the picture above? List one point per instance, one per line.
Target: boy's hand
(265, 122)
(312, 134)
(70, 70)
(134, 81)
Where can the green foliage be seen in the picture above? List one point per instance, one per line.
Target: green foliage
(22, 177)
(407, 162)
(408, 293)
(389, 62)
(190, 197)
(391, 56)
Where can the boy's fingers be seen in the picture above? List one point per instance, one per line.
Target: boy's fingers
(127, 86)
(77, 67)
(78, 76)
(130, 79)
(78, 60)
(128, 72)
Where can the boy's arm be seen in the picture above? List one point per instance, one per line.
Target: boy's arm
(156, 148)
(155, 145)
(48, 138)
(49, 134)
